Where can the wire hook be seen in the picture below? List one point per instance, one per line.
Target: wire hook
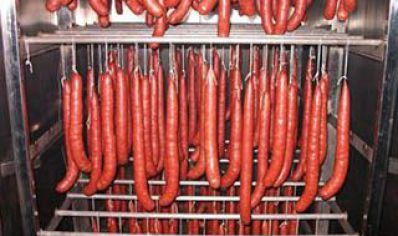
(344, 76)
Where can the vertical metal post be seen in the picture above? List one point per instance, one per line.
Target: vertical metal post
(18, 116)
(383, 129)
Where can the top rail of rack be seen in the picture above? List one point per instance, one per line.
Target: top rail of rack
(197, 34)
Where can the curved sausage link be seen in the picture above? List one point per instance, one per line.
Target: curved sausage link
(135, 6)
(323, 138)
(298, 15)
(283, 17)
(192, 114)
(341, 162)
(161, 120)
(141, 185)
(330, 9)
(121, 113)
(180, 12)
(266, 16)
(172, 159)
(154, 118)
(222, 86)
(247, 154)
(72, 171)
(205, 6)
(100, 8)
(183, 116)
(154, 8)
(312, 160)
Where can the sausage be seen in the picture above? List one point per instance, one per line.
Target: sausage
(123, 189)
(159, 30)
(323, 138)
(171, 3)
(72, 171)
(247, 154)
(216, 64)
(202, 206)
(180, 12)
(183, 117)
(350, 5)
(100, 8)
(210, 131)
(103, 21)
(146, 109)
(222, 86)
(205, 6)
(244, 229)
(134, 227)
(193, 225)
(342, 13)
(263, 149)
(119, 6)
(266, 16)
(154, 118)
(121, 117)
(273, 209)
(111, 223)
(129, 118)
(171, 158)
(298, 15)
(341, 162)
(96, 148)
(53, 5)
(224, 18)
(234, 148)
(161, 120)
(275, 9)
(283, 17)
(291, 130)
(65, 2)
(108, 133)
(256, 225)
(298, 173)
(90, 90)
(154, 8)
(261, 89)
(192, 113)
(230, 208)
(312, 159)
(76, 124)
(247, 7)
(135, 6)
(213, 226)
(73, 5)
(330, 9)
(141, 185)
(280, 128)
(272, 82)
(173, 228)
(149, 19)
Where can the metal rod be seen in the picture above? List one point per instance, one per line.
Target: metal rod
(193, 216)
(187, 198)
(200, 39)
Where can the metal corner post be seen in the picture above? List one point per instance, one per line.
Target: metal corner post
(388, 88)
(18, 115)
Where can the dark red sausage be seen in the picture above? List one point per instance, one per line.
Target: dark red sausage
(283, 17)
(183, 116)
(224, 18)
(96, 147)
(153, 81)
(108, 133)
(350, 5)
(119, 6)
(180, 12)
(263, 149)
(192, 114)
(342, 12)
(280, 126)
(323, 138)
(76, 124)
(121, 117)
(161, 120)
(298, 15)
(171, 158)
(230, 208)
(266, 16)
(312, 159)
(72, 172)
(247, 154)
(135, 6)
(100, 8)
(222, 86)
(172, 3)
(341, 162)
(73, 5)
(330, 9)
(141, 185)
(53, 5)
(247, 7)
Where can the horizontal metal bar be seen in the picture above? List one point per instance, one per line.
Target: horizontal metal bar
(192, 216)
(70, 233)
(192, 182)
(188, 198)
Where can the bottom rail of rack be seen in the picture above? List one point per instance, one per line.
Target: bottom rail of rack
(195, 216)
(70, 233)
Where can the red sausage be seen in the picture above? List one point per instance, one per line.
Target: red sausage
(234, 148)
(65, 2)
(280, 127)
(213, 226)
(141, 185)
(173, 224)
(256, 225)
(323, 138)
(210, 133)
(342, 13)
(330, 9)
(183, 116)
(224, 18)
(193, 225)
(154, 8)
(108, 133)
(161, 120)
(90, 90)
(119, 6)
(76, 124)
(266, 16)
(72, 172)
(100, 8)
(263, 149)
(53, 5)
(341, 162)
(103, 21)
(192, 114)
(298, 173)
(129, 118)
(154, 118)
(298, 15)
(247, 7)
(121, 115)
(171, 158)
(149, 19)
(222, 86)
(350, 5)
(283, 17)
(205, 6)
(312, 159)
(180, 12)
(159, 30)
(171, 3)
(135, 6)
(247, 154)
(291, 130)
(230, 208)
(73, 5)
(146, 108)
(111, 223)
(96, 149)
(134, 227)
